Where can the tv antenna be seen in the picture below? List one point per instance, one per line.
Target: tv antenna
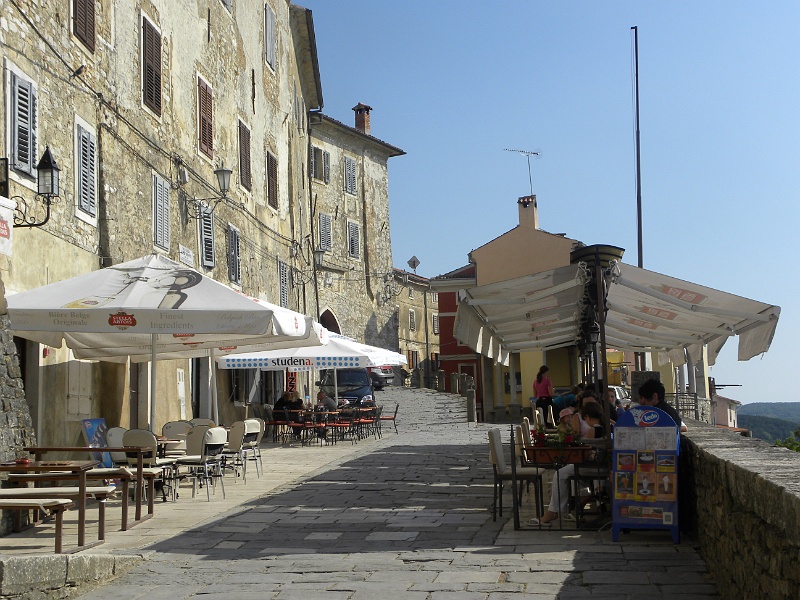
(527, 154)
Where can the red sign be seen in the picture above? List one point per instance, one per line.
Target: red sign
(652, 311)
(291, 381)
(182, 335)
(5, 232)
(122, 320)
(642, 324)
(685, 295)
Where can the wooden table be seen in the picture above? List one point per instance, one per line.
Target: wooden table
(79, 467)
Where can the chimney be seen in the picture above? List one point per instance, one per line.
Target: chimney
(362, 117)
(528, 212)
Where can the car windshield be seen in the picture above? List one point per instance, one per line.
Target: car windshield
(346, 379)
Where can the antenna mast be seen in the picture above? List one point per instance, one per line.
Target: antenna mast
(638, 153)
(527, 154)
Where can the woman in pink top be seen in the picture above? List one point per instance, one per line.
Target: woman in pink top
(543, 391)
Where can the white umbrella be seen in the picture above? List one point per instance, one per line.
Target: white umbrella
(149, 302)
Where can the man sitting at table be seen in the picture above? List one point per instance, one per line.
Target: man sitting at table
(324, 400)
(652, 393)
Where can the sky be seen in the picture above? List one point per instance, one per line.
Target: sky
(454, 83)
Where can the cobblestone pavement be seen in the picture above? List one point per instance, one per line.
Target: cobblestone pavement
(404, 517)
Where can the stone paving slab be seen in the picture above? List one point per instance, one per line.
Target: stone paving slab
(406, 516)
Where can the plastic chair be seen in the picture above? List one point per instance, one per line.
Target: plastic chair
(206, 466)
(393, 418)
(235, 450)
(176, 430)
(251, 442)
(199, 421)
(502, 472)
(163, 467)
(114, 439)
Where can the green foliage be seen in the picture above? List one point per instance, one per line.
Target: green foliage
(767, 428)
(792, 442)
(788, 411)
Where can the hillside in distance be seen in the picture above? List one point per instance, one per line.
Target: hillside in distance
(767, 428)
(788, 411)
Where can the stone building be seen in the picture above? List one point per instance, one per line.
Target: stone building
(144, 104)
(350, 223)
(417, 313)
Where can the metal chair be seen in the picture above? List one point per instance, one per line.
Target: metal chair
(205, 467)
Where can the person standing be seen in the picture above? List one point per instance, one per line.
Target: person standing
(543, 392)
(652, 393)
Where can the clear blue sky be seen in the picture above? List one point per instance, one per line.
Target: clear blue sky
(453, 83)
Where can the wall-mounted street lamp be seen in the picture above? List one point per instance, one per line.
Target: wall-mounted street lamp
(46, 189)
(196, 208)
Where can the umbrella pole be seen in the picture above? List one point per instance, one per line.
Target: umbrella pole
(214, 400)
(153, 382)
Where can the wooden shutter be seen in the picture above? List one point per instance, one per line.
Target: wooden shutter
(234, 259)
(151, 65)
(272, 180)
(205, 101)
(325, 242)
(23, 125)
(207, 238)
(283, 277)
(349, 175)
(83, 22)
(87, 189)
(436, 324)
(326, 165)
(270, 35)
(412, 320)
(352, 239)
(161, 233)
(245, 174)
(312, 167)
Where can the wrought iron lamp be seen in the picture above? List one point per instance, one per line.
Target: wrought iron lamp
(197, 208)
(46, 188)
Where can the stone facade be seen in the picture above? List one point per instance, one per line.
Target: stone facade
(140, 111)
(350, 220)
(417, 309)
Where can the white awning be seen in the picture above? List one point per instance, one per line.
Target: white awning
(647, 312)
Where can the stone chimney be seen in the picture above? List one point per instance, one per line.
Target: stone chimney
(528, 212)
(362, 117)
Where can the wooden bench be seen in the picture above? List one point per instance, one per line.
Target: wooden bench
(55, 506)
(31, 495)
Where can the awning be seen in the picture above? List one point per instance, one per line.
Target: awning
(647, 312)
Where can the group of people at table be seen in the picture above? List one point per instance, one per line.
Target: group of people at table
(580, 412)
(290, 408)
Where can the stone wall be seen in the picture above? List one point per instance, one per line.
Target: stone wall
(742, 503)
(16, 428)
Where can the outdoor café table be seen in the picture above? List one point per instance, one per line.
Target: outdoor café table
(78, 467)
(38, 451)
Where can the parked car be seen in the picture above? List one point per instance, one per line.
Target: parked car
(621, 394)
(354, 386)
(381, 376)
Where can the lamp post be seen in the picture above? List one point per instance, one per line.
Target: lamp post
(197, 208)
(47, 188)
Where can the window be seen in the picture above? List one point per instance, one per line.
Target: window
(435, 324)
(234, 259)
(270, 36)
(412, 357)
(435, 297)
(23, 125)
(207, 238)
(283, 277)
(245, 175)
(412, 320)
(83, 22)
(86, 168)
(272, 180)
(353, 246)
(205, 118)
(151, 67)
(320, 164)
(350, 175)
(410, 293)
(325, 241)
(161, 212)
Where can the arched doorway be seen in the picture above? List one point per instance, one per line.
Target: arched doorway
(329, 322)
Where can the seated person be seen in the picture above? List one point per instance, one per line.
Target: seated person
(324, 400)
(652, 393)
(567, 400)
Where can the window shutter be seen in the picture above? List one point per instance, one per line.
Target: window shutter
(234, 260)
(313, 166)
(83, 22)
(206, 118)
(326, 160)
(349, 175)
(207, 237)
(87, 195)
(412, 320)
(23, 128)
(352, 240)
(272, 180)
(161, 233)
(436, 324)
(151, 61)
(270, 35)
(245, 174)
(283, 276)
(325, 242)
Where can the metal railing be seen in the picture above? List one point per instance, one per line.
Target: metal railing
(686, 404)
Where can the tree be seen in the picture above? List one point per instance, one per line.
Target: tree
(792, 442)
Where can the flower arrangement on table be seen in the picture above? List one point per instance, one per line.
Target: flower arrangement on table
(564, 447)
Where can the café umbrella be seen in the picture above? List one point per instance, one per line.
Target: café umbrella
(151, 301)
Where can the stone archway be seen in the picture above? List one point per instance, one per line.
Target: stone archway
(329, 322)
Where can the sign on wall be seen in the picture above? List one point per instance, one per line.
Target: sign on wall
(6, 225)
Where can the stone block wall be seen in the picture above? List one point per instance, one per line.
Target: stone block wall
(742, 503)
(16, 427)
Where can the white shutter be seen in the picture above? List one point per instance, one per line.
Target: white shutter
(270, 35)
(313, 166)
(161, 232)
(326, 161)
(349, 175)
(283, 276)
(325, 241)
(207, 238)
(87, 190)
(436, 324)
(234, 259)
(353, 245)
(23, 125)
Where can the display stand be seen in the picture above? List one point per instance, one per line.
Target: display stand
(645, 472)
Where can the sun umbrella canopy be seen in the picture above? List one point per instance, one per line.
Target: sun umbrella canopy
(339, 353)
